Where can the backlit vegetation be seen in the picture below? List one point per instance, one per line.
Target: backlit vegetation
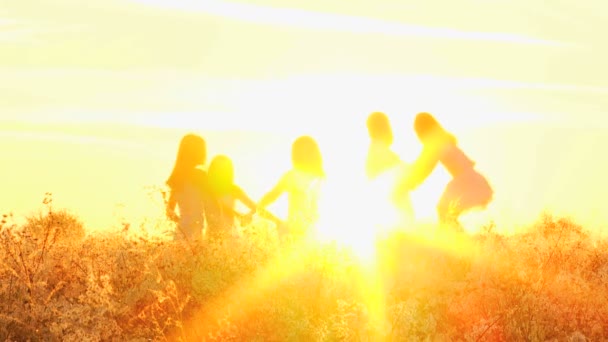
(56, 283)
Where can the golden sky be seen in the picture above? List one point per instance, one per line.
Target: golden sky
(220, 56)
(307, 66)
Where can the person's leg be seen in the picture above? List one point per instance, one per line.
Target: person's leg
(462, 194)
(450, 207)
(448, 217)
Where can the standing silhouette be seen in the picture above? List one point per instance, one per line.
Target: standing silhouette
(221, 213)
(467, 190)
(302, 183)
(188, 188)
(382, 161)
(380, 156)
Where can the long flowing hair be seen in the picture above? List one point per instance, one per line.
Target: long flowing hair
(221, 174)
(306, 156)
(191, 153)
(429, 130)
(379, 128)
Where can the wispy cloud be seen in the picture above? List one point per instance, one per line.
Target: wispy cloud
(24, 31)
(7, 22)
(335, 22)
(67, 138)
(12, 30)
(489, 83)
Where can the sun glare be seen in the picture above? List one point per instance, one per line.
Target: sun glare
(355, 213)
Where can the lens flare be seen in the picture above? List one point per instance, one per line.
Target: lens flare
(355, 213)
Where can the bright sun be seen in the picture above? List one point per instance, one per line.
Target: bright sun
(355, 213)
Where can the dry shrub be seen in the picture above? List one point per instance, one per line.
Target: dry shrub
(548, 283)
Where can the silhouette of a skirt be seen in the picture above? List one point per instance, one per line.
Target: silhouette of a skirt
(467, 191)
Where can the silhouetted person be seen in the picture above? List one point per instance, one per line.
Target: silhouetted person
(221, 212)
(302, 184)
(189, 188)
(380, 156)
(467, 190)
(382, 160)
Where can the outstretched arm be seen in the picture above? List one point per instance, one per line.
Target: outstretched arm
(270, 216)
(419, 171)
(274, 194)
(423, 166)
(243, 198)
(271, 197)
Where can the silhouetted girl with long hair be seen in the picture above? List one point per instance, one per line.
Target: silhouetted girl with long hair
(380, 156)
(467, 190)
(302, 185)
(381, 160)
(188, 188)
(221, 213)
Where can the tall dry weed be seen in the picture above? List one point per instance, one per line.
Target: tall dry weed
(56, 283)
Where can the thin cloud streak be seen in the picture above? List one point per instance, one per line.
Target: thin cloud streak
(488, 83)
(12, 30)
(332, 22)
(183, 100)
(67, 138)
(7, 22)
(28, 32)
